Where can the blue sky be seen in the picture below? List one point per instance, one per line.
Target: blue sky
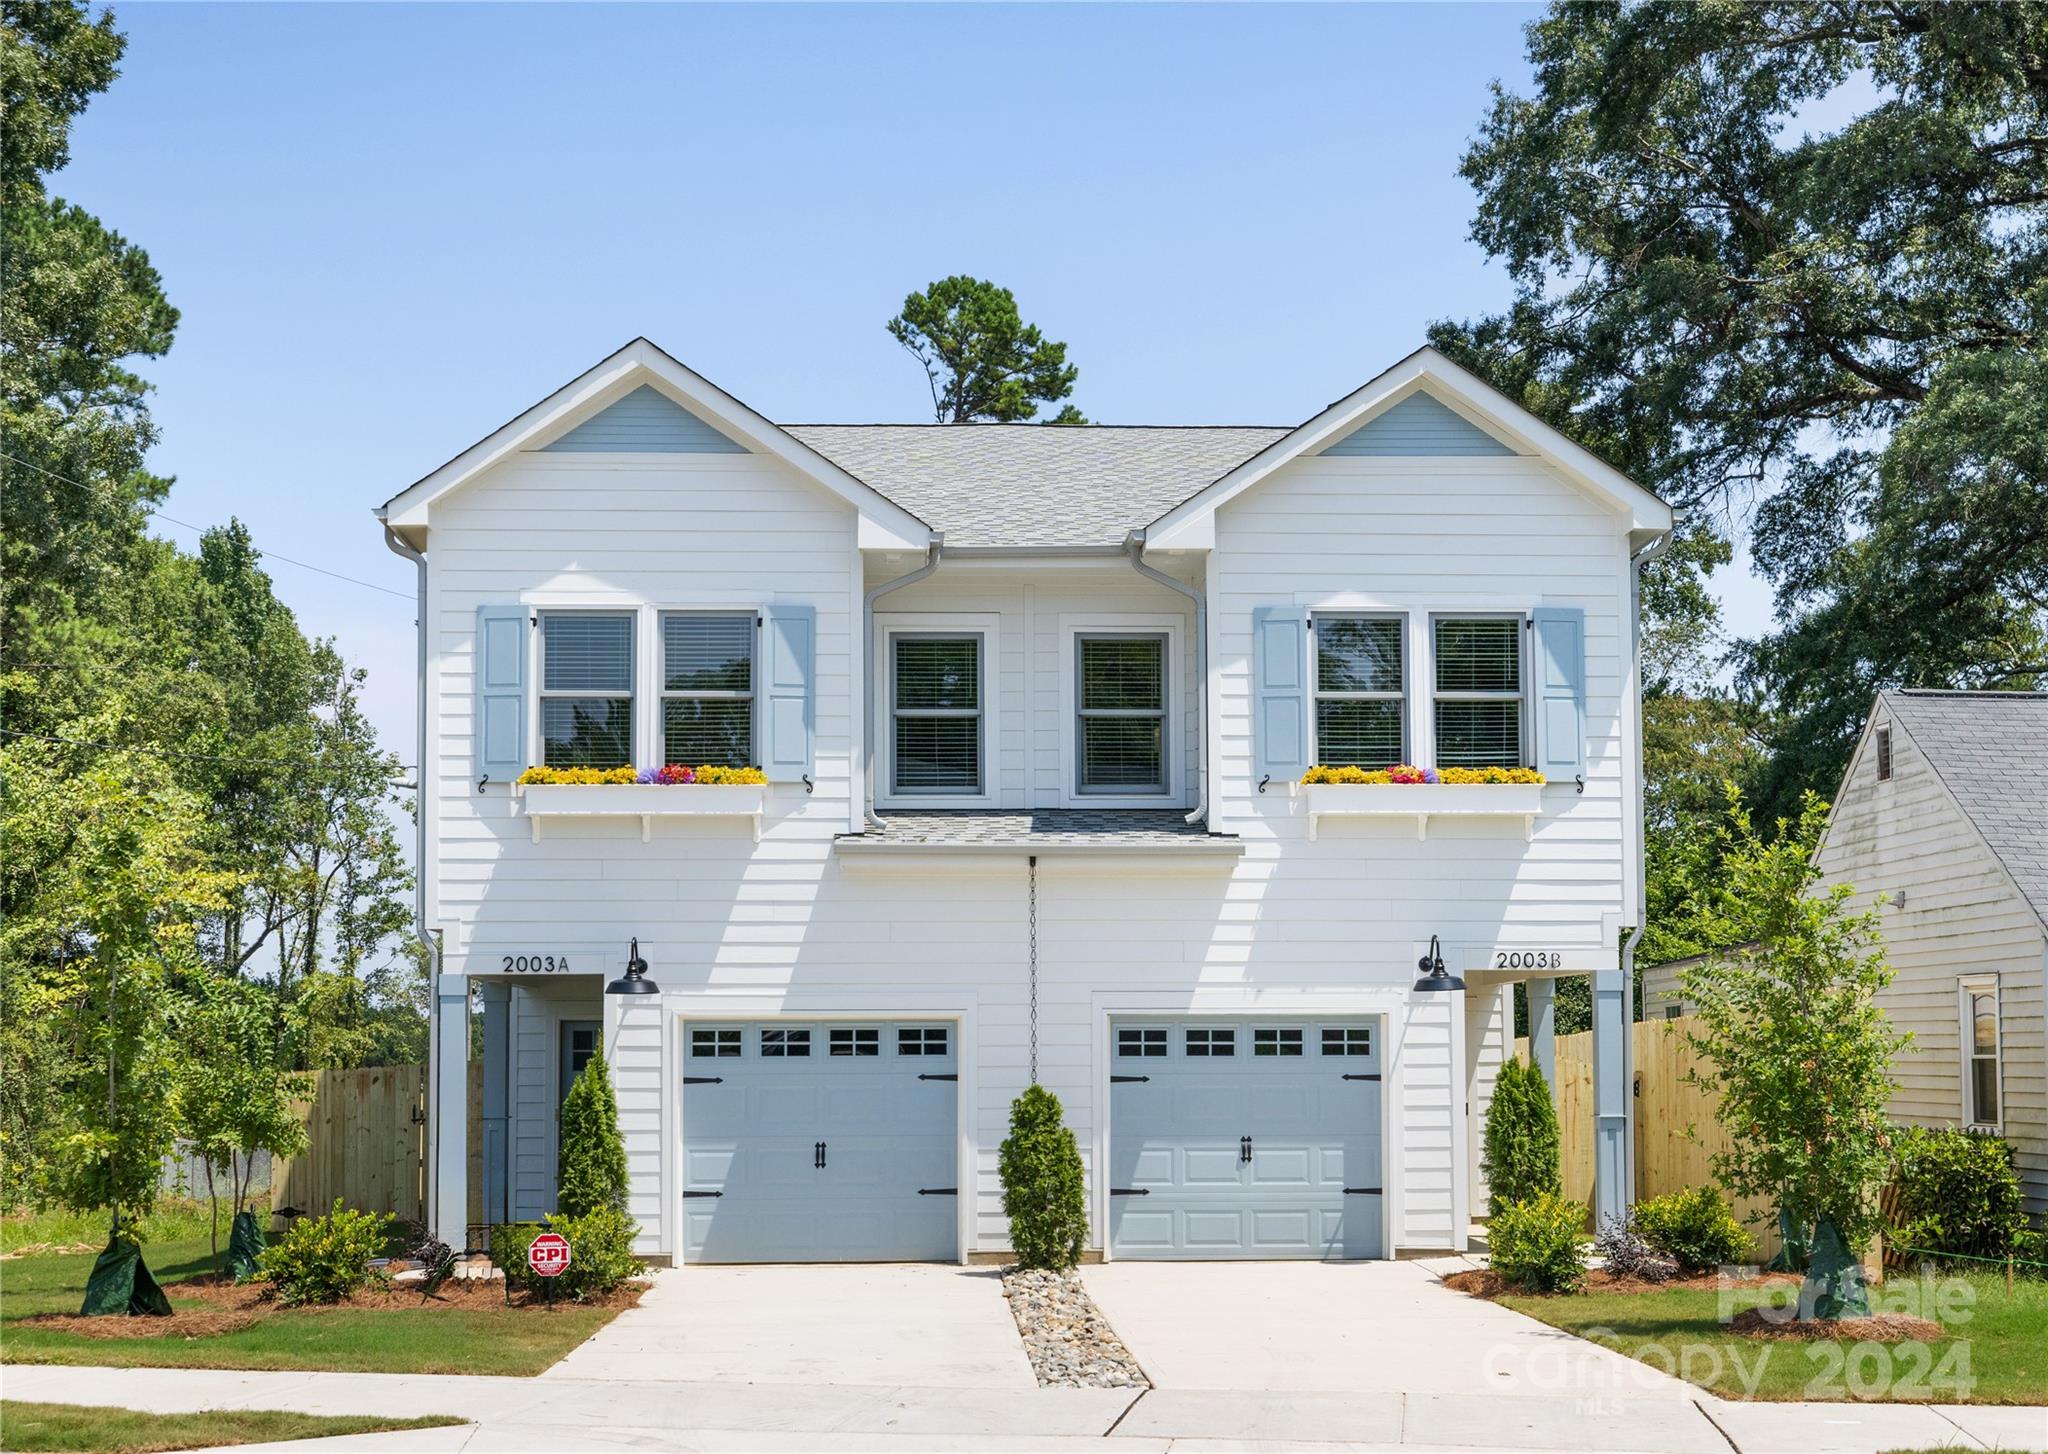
(391, 227)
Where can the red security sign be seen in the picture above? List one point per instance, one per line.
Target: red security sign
(549, 1255)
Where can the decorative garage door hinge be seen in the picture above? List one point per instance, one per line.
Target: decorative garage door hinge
(930, 1076)
(1127, 1079)
(703, 1193)
(1361, 1077)
(1130, 1191)
(703, 1080)
(938, 1191)
(1361, 1191)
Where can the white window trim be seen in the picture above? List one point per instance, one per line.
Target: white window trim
(1072, 627)
(1315, 693)
(1525, 748)
(536, 668)
(1966, 1047)
(657, 681)
(985, 624)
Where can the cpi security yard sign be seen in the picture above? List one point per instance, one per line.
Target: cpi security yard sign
(549, 1255)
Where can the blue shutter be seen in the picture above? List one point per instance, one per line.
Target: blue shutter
(1280, 692)
(789, 711)
(501, 692)
(1560, 633)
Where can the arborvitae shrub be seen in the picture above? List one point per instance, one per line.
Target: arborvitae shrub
(593, 1163)
(1521, 1153)
(1043, 1187)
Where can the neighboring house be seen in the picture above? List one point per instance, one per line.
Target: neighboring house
(1944, 811)
(1033, 704)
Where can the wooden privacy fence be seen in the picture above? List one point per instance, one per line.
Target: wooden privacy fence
(1676, 1133)
(368, 1131)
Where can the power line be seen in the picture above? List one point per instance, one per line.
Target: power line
(187, 524)
(144, 747)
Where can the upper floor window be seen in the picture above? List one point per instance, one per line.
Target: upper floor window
(707, 689)
(1980, 1052)
(936, 714)
(586, 689)
(1361, 711)
(1120, 693)
(1884, 754)
(1479, 691)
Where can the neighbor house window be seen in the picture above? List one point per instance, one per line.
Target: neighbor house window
(1361, 715)
(1980, 1052)
(1884, 754)
(586, 689)
(1478, 691)
(1121, 695)
(707, 689)
(936, 710)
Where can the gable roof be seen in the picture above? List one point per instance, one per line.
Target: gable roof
(1465, 393)
(1035, 484)
(1990, 750)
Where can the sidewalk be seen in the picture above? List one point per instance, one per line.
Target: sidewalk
(538, 1416)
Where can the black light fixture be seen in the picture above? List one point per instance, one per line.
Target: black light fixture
(635, 980)
(1435, 978)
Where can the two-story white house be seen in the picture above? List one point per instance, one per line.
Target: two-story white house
(1033, 705)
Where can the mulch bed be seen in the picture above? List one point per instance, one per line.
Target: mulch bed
(1881, 1328)
(1485, 1282)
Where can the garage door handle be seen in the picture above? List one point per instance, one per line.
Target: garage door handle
(703, 1193)
(938, 1077)
(817, 1153)
(1130, 1191)
(938, 1191)
(1361, 1077)
(1127, 1079)
(703, 1080)
(1361, 1191)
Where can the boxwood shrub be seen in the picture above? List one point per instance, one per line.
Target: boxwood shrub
(1959, 1192)
(1540, 1245)
(325, 1259)
(1694, 1228)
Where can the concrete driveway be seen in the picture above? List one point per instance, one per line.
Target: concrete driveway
(906, 1323)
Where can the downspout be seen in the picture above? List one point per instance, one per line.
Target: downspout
(867, 659)
(419, 902)
(1637, 561)
(1134, 546)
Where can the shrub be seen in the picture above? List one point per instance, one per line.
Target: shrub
(1958, 1192)
(593, 1160)
(1043, 1185)
(1625, 1252)
(1521, 1155)
(325, 1259)
(1539, 1244)
(1695, 1228)
(600, 1253)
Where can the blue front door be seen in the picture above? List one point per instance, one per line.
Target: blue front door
(815, 1141)
(1242, 1139)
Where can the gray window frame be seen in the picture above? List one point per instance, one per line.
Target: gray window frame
(1317, 696)
(631, 695)
(751, 696)
(979, 713)
(1520, 696)
(1164, 714)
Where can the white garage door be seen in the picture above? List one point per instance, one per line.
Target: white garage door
(819, 1142)
(1233, 1139)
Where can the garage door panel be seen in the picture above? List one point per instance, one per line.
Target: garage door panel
(1209, 1166)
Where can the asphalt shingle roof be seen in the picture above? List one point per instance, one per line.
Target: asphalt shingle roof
(1042, 828)
(1036, 484)
(1991, 751)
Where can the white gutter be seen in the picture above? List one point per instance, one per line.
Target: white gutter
(1134, 546)
(867, 658)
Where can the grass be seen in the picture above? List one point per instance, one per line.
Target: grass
(483, 1338)
(1993, 1355)
(31, 1428)
(174, 1220)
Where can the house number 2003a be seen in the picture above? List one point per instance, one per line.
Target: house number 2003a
(536, 963)
(1528, 959)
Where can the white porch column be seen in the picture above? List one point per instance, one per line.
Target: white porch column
(1542, 995)
(1613, 1102)
(449, 1065)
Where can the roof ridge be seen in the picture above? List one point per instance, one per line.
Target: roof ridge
(1967, 692)
(1028, 424)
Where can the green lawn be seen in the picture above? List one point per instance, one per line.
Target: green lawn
(173, 1220)
(487, 1338)
(30, 1428)
(1993, 1356)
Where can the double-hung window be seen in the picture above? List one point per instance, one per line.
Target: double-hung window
(586, 689)
(707, 689)
(1120, 697)
(1479, 717)
(936, 714)
(1980, 1053)
(1361, 709)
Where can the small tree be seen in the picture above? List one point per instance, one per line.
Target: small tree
(1521, 1153)
(1796, 1051)
(1044, 1191)
(980, 357)
(593, 1172)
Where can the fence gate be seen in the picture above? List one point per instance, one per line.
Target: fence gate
(368, 1130)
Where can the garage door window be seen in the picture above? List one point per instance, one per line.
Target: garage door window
(785, 1044)
(1141, 1044)
(921, 1040)
(1348, 1040)
(1276, 1042)
(715, 1044)
(856, 1042)
(1213, 1043)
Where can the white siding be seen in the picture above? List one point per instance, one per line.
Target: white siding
(1961, 916)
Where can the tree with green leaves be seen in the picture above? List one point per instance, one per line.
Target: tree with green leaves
(1794, 1049)
(593, 1172)
(980, 358)
(1793, 258)
(1520, 1153)
(1044, 1186)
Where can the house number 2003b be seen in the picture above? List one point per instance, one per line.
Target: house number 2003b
(1528, 959)
(536, 963)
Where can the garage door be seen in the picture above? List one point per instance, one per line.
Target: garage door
(1249, 1139)
(819, 1142)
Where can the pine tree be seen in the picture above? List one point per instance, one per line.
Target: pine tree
(1521, 1156)
(593, 1173)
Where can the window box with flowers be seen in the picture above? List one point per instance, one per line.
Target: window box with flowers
(1423, 793)
(662, 792)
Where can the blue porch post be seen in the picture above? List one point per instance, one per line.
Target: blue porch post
(1542, 996)
(1613, 1103)
(450, 1069)
(497, 1037)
